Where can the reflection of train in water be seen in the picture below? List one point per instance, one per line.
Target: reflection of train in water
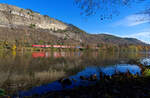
(55, 54)
(38, 54)
(56, 46)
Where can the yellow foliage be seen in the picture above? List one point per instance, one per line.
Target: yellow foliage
(14, 47)
(14, 53)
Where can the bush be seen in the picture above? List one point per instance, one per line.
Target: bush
(32, 26)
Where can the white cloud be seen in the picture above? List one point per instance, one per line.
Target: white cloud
(134, 20)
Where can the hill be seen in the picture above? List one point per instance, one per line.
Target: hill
(106, 38)
(24, 26)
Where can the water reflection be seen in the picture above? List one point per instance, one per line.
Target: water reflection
(24, 70)
(55, 54)
(56, 86)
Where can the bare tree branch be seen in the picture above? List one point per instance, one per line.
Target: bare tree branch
(106, 8)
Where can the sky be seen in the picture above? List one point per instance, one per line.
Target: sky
(129, 23)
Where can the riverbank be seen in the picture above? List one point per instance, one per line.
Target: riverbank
(110, 48)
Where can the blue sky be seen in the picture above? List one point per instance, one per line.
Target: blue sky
(127, 24)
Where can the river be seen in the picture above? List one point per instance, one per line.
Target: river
(29, 73)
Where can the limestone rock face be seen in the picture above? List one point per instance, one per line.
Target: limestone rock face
(12, 15)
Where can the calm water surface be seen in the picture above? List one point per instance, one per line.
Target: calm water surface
(37, 72)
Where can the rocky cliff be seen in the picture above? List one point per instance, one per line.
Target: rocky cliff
(12, 15)
(16, 18)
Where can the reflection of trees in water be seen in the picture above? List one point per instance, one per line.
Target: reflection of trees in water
(105, 58)
(23, 68)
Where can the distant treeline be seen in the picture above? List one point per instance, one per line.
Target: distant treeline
(14, 45)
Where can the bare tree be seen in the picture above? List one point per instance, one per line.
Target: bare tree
(106, 8)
